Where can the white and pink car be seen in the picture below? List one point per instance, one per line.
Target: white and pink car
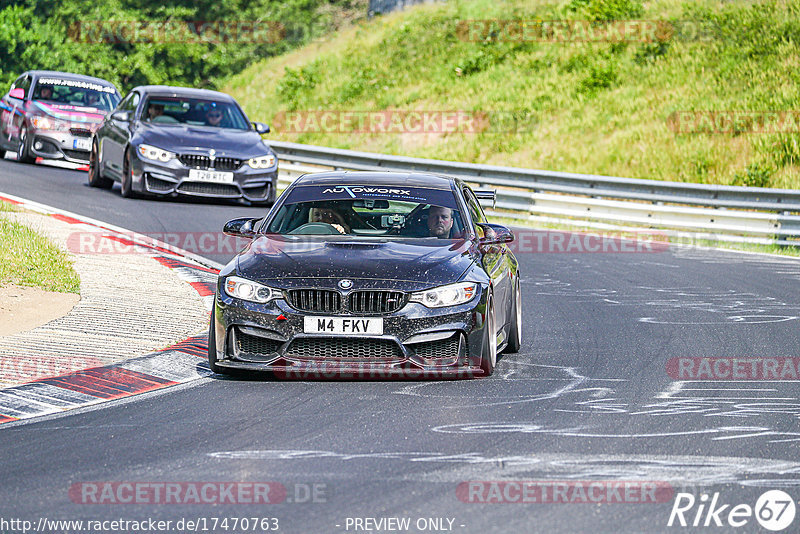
(53, 115)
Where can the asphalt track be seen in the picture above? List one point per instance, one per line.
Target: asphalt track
(588, 398)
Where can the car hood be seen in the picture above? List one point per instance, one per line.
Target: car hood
(187, 139)
(74, 114)
(425, 262)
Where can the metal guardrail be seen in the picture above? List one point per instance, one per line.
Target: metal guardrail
(760, 215)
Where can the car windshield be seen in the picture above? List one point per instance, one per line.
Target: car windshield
(194, 112)
(75, 93)
(369, 212)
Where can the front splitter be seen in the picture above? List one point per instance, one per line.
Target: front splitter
(337, 370)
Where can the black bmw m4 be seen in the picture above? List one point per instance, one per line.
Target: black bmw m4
(369, 275)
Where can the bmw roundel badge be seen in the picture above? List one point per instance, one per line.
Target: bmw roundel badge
(345, 284)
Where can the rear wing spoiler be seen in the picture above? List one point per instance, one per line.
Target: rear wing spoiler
(486, 194)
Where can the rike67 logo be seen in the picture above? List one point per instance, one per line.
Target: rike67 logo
(774, 510)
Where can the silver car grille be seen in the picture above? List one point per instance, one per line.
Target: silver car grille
(198, 161)
(330, 301)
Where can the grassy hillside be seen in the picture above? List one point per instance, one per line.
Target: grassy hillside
(591, 107)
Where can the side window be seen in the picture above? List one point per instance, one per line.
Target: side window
(133, 102)
(122, 106)
(23, 82)
(129, 103)
(474, 206)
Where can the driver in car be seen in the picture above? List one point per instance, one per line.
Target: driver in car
(46, 92)
(154, 110)
(214, 116)
(329, 215)
(440, 222)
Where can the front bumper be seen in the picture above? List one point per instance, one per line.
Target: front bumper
(417, 342)
(172, 179)
(66, 146)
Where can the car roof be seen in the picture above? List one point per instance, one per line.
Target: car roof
(190, 92)
(384, 178)
(69, 76)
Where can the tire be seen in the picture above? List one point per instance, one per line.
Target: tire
(126, 187)
(23, 150)
(515, 330)
(489, 352)
(96, 178)
(212, 348)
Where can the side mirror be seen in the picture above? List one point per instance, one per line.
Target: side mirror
(242, 227)
(19, 92)
(122, 116)
(494, 235)
(261, 128)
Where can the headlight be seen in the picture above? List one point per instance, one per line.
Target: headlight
(262, 162)
(241, 288)
(155, 153)
(450, 295)
(46, 123)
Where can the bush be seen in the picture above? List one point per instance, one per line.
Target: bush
(608, 9)
(295, 84)
(602, 75)
(755, 175)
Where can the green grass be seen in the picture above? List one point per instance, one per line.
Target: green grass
(29, 259)
(603, 108)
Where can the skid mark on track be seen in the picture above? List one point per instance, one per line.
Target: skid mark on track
(712, 405)
(565, 380)
(716, 434)
(679, 470)
(678, 305)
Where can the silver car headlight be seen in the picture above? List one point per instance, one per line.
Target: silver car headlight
(47, 123)
(155, 153)
(244, 289)
(449, 295)
(262, 162)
